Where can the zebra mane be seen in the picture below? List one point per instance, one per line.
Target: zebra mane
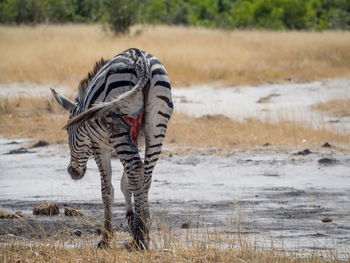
(84, 83)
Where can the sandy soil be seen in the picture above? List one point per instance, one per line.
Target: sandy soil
(266, 193)
(270, 102)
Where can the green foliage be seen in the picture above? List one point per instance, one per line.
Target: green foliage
(228, 14)
(120, 14)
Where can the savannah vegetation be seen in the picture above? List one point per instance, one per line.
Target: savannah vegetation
(227, 14)
(62, 55)
(202, 248)
(54, 54)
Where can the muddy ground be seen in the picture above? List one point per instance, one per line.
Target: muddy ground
(265, 193)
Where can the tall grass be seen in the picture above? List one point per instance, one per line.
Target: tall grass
(51, 54)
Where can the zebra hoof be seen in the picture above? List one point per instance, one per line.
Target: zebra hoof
(130, 246)
(141, 239)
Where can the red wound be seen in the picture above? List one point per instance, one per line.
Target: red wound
(135, 125)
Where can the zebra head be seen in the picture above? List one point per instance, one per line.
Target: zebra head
(78, 139)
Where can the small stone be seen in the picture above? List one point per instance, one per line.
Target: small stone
(185, 225)
(326, 145)
(19, 151)
(11, 143)
(77, 232)
(327, 161)
(304, 152)
(326, 219)
(40, 144)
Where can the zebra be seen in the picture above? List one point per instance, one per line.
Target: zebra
(121, 102)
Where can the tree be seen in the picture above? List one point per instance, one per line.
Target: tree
(120, 14)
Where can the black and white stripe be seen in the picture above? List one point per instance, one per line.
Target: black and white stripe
(132, 83)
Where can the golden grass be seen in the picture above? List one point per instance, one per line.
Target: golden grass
(54, 54)
(337, 107)
(221, 132)
(20, 252)
(200, 245)
(42, 119)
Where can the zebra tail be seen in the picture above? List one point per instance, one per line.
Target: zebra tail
(103, 108)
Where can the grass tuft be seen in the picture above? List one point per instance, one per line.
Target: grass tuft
(336, 108)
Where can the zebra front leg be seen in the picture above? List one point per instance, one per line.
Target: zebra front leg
(127, 196)
(103, 161)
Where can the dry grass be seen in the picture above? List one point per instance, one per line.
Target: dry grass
(42, 119)
(337, 108)
(33, 118)
(202, 246)
(20, 252)
(221, 132)
(52, 54)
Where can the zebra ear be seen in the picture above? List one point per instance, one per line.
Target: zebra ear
(66, 103)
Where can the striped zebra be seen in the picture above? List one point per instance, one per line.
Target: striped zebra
(119, 100)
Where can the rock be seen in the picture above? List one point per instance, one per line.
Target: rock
(77, 232)
(19, 151)
(46, 209)
(327, 161)
(268, 98)
(305, 152)
(68, 211)
(11, 143)
(214, 117)
(185, 225)
(271, 175)
(40, 144)
(326, 145)
(4, 215)
(326, 219)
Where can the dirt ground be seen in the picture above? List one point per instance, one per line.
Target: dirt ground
(264, 193)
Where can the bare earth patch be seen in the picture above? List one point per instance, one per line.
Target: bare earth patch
(265, 202)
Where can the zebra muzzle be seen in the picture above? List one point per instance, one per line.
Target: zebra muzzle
(75, 174)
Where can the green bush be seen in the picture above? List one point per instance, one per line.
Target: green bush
(228, 14)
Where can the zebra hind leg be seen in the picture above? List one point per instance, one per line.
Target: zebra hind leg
(132, 182)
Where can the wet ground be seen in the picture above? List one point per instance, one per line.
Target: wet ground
(268, 193)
